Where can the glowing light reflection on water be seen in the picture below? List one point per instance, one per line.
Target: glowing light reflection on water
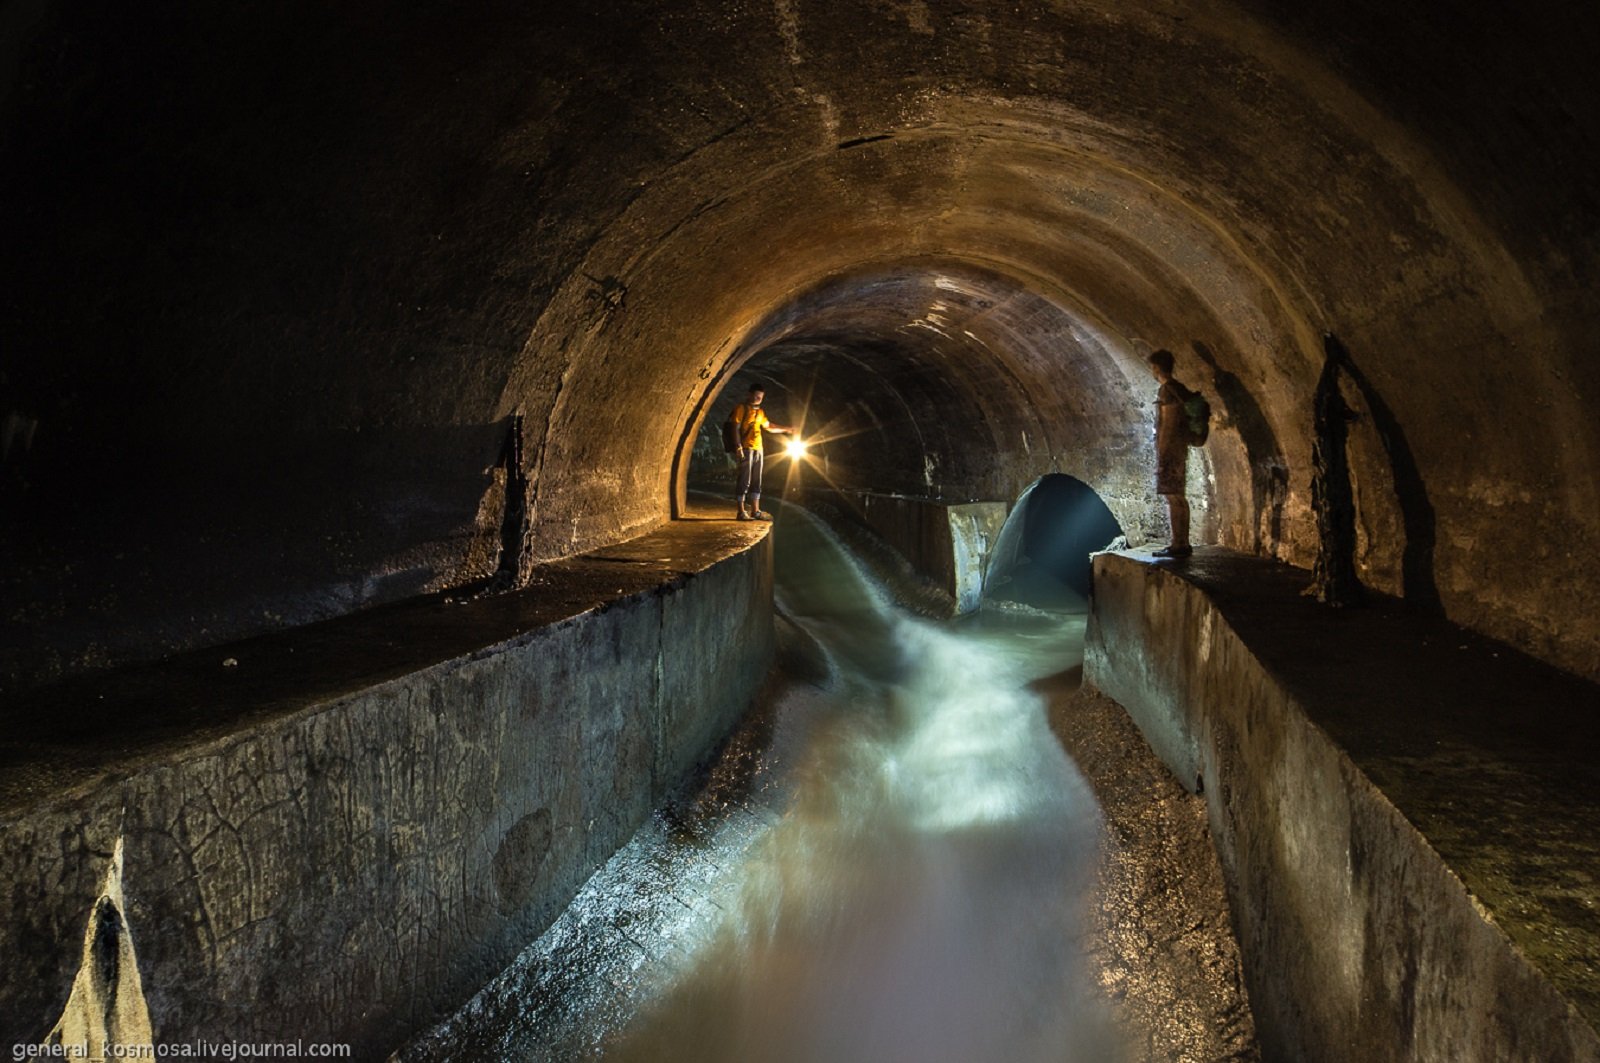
(919, 899)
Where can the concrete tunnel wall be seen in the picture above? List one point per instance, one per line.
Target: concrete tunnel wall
(278, 277)
(1369, 929)
(277, 280)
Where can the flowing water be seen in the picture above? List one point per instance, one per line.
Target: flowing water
(919, 898)
(886, 865)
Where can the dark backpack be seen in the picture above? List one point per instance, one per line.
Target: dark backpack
(730, 437)
(1196, 418)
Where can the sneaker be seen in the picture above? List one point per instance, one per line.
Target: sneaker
(1174, 551)
(743, 514)
(760, 515)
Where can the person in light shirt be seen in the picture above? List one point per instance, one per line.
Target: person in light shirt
(747, 422)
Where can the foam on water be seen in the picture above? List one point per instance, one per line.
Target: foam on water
(919, 899)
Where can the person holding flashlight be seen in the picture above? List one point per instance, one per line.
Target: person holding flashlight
(746, 424)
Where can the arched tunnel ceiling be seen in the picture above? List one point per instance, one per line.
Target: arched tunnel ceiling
(943, 379)
(320, 256)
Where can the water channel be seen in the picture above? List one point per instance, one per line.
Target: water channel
(894, 859)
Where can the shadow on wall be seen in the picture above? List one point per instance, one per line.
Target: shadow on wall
(1269, 469)
(1056, 524)
(1270, 475)
(1337, 507)
(1411, 493)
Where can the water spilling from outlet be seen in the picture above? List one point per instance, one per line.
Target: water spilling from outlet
(919, 898)
(887, 862)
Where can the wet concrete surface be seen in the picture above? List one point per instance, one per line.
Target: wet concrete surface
(1155, 928)
(635, 924)
(1405, 812)
(341, 833)
(1159, 934)
(67, 736)
(1487, 751)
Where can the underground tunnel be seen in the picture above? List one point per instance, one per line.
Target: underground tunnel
(380, 638)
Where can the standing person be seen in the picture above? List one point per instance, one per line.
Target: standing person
(1172, 452)
(747, 422)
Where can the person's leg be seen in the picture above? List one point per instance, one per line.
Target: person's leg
(1171, 475)
(743, 490)
(756, 462)
(1178, 515)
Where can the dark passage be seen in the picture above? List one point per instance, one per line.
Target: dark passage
(1066, 522)
(1042, 556)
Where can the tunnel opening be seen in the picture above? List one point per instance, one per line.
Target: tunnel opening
(1046, 546)
(930, 383)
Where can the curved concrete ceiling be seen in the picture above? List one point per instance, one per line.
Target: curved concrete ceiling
(336, 250)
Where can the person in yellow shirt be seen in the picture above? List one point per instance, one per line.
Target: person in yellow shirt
(745, 425)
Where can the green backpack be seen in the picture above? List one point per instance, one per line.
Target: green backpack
(1197, 418)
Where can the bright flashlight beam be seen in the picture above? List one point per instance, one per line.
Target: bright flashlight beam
(796, 448)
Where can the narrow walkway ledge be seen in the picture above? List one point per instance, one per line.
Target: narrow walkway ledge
(338, 833)
(1408, 816)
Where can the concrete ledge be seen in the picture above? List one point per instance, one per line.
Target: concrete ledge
(346, 834)
(1405, 811)
(948, 542)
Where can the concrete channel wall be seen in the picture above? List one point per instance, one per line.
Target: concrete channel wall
(1359, 942)
(948, 542)
(355, 869)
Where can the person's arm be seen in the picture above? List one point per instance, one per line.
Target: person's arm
(775, 429)
(738, 432)
(1173, 393)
